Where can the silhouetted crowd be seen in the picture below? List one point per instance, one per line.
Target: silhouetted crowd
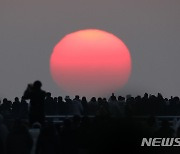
(24, 128)
(114, 106)
(84, 135)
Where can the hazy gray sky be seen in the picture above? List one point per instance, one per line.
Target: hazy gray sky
(29, 29)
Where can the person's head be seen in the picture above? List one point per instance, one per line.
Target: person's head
(100, 100)
(120, 98)
(37, 84)
(48, 94)
(77, 97)
(60, 98)
(5, 100)
(93, 99)
(55, 99)
(104, 100)
(84, 99)
(16, 99)
(67, 99)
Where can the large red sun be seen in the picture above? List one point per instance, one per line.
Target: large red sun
(90, 63)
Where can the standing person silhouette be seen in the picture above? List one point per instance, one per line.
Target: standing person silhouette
(37, 97)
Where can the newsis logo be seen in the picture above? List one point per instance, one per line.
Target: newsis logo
(164, 142)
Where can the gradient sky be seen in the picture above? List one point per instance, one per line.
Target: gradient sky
(29, 30)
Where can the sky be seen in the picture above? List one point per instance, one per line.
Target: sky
(29, 30)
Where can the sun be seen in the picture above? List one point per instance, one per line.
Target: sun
(90, 62)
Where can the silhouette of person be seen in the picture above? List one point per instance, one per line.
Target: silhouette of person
(3, 134)
(16, 107)
(47, 142)
(77, 108)
(19, 140)
(37, 97)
